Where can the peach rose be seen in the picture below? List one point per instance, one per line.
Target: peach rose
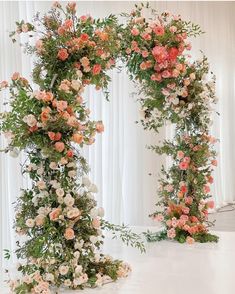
(85, 61)
(3, 84)
(54, 215)
(190, 240)
(39, 220)
(45, 114)
(63, 54)
(69, 234)
(59, 146)
(99, 127)
(77, 138)
(61, 105)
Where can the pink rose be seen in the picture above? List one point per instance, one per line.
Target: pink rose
(63, 54)
(61, 31)
(214, 162)
(206, 189)
(159, 30)
(83, 18)
(183, 165)
(145, 53)
(185, 210)
(173, 29)
(135, 32)
(15, 76)
(69, 234)
(188, 200)
(3, 84)
(186, 159)
(68, 24)
(59, 146)
(166, 74)
(180, 154)
(211, 204)
(96, 69)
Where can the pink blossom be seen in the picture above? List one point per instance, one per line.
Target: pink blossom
(159, 30)
(15, 76)
(188, 200)
(171, 233)
(180, 154)
(185, 210)
(190, 240)
(159, 218)
(166, 74)
(186, 159)
(145, 53)
(206, 189)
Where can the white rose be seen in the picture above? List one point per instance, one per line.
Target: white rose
(72, 173)
(79, 245)
(59, 192)
(76, 254)
(90, 196)
(67, 283)
(30, 223)
(63, 270)
(60, 199)
(40, 171)
(30, 120)
(93, 188)
(79, 73)
(71, 164)
(50, 277)
(78, 269)
(63, 161)
(176, 101)
(69, 200)
(93, 239)
(76, 85)
(101, 211)
(86, 182)
(94, 212)
(53, 165)
(14, 152)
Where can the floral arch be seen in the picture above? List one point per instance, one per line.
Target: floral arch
(51, 123)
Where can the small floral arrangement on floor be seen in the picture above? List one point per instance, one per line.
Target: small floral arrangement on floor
(50, 121)
(178, 91)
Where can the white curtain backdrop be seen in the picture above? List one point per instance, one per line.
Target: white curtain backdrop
(123, 169)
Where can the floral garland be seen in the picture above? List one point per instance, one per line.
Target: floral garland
(58, 215)
(182, 93)
(51, 123)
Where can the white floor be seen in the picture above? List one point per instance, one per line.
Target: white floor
(172, 268)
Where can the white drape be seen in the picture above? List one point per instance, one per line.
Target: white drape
(120, 163)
